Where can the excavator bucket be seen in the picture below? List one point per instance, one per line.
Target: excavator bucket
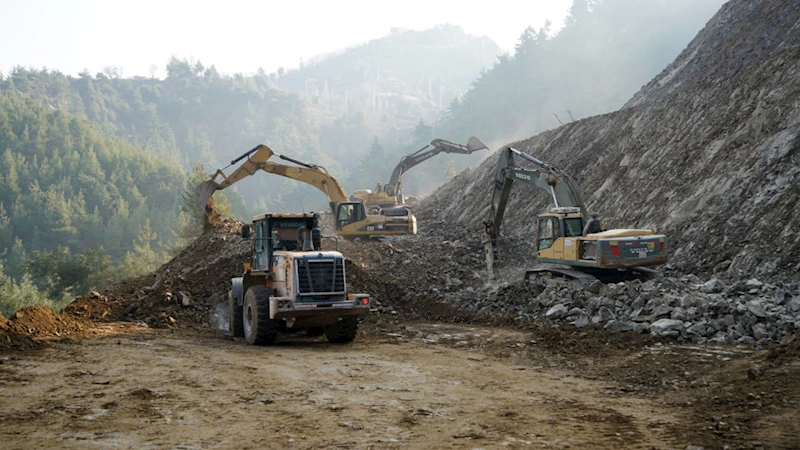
(204, 191)
(474, 144)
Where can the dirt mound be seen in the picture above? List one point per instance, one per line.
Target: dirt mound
(94, 307)
(185, 292)
(40, 323)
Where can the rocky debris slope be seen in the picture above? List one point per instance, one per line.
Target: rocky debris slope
(708, 152)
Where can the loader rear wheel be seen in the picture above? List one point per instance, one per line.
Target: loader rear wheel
(259, 329)
(342, 331)
(235, 322)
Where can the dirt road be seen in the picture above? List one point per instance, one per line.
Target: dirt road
(406, 386)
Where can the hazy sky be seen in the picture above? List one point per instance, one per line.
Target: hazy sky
(236, 35)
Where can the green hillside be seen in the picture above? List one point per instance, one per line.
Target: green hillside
(74, 202)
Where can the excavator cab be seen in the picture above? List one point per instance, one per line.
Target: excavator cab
(554, 230)
(349, 212)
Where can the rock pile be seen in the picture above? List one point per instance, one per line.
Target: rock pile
(687, 308)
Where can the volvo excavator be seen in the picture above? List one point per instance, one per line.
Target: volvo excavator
(569, 240)
(391, 194)
(350, 217)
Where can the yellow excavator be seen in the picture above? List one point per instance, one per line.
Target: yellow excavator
(350, 217)
(569, 241)
(391, 194)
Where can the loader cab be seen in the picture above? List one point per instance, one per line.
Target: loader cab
(349, 212)
(275, 232)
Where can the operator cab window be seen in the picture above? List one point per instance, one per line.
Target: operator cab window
(548, 231)
(260, 245)
(284, 239)
(573, 227)
(348, 213)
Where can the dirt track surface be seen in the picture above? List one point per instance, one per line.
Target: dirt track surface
(412, 385)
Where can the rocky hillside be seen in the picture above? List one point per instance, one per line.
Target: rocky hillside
(708, 152)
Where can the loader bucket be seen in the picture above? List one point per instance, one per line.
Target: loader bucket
(474, 144)
(204, 191)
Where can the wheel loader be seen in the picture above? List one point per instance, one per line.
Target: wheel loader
(351, 219)
(390, 195)
(289, 284)
(571, 241)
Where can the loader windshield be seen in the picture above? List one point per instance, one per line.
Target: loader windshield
(284, 233)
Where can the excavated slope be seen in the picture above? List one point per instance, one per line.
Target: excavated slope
(707, 152)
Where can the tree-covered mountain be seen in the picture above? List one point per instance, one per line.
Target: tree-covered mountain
(94, 178)
(195, 115)
(382, 88)
(606, 51)
(73, 201)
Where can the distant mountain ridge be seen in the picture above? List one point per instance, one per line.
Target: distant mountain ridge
(404, 72)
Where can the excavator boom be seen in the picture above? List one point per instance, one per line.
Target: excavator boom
(559, 185)
(350, 216)
(257, 159)
(391, 194)
(434, 148)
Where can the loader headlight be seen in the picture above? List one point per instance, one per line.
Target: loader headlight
(282, 304)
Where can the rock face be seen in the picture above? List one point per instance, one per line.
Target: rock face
(707, 153)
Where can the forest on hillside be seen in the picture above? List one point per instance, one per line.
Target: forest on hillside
(77, 206)
(605, 53)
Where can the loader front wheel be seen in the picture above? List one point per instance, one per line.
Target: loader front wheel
(259, 329)
(342, 331)
(235, 322)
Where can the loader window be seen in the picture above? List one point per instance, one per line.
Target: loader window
(260, 245)
(284, 239)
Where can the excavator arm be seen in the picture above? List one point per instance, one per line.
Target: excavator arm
(559, 185)
(394, 187)
(258, 159)
(350, 218)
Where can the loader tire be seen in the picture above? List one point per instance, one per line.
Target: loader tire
(259, 329)
(235, 322)
(342, 331)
